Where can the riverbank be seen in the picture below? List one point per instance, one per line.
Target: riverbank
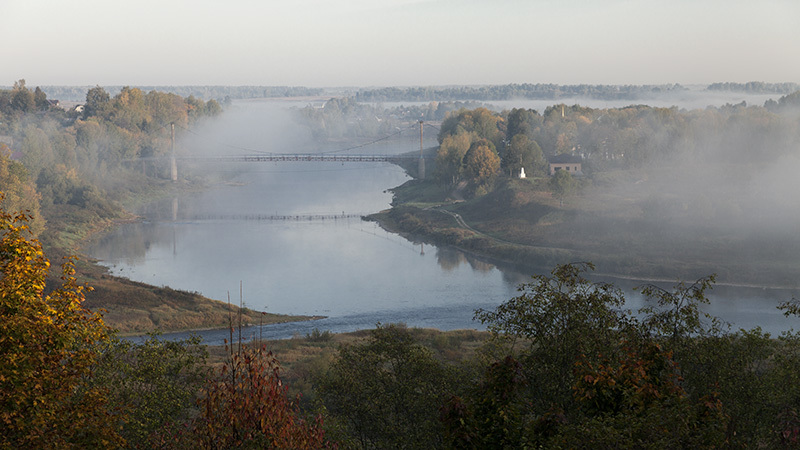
(130, 307)
(521, 225)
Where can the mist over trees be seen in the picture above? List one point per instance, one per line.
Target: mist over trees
(513, 91)
(756, 87)
(85, 159)
(711, 187)
(218, 93)
(566, 366)
(707, 166)
(344, 117)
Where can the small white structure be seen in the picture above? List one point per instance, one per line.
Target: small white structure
(522, 172)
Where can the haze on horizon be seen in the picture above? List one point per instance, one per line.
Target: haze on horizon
(327, 43)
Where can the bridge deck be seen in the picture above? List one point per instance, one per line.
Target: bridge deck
(274, 217)
(279, 157)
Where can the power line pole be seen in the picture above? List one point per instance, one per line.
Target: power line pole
(174, 163)
(421, 158)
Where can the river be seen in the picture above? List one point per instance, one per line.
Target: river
(286, 234)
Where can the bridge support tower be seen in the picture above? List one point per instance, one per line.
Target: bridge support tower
(421, 168)
(173, 172)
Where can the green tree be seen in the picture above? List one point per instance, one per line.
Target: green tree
(521, 121)
(521, 153)
(98, 103)
(155, 384)
(48, 347)
(196, 108)
(213, 108)
(562, 184)
(560, 319)
(19, 192)
(493, 413)
(40, 99)
(37, 153)
(22, 99)
(386, 392)
(64, 144)
(91, 139)
(589, 376)
(677, 315)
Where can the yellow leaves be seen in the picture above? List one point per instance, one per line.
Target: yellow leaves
(49, 343)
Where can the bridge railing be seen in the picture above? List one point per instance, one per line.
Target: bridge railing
(277, 157)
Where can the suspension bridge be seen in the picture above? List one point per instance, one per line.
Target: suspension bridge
(336, 156)
(300, 157)
(273, 217)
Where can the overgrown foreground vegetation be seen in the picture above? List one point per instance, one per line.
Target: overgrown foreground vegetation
(563, 365)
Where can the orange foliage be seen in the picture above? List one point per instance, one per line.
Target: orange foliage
(249, 405)
(48, 345)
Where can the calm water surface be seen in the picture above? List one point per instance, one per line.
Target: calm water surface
(349, 270)
(344, 268)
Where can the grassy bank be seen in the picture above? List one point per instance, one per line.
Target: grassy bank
(521, 224)
(304, 357)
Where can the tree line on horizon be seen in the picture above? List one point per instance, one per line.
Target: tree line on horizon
(539, 91)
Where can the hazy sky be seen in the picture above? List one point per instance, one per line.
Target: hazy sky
(397, 42)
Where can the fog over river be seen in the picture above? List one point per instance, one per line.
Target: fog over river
(335, 264)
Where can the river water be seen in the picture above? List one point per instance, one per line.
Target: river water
(286, 234)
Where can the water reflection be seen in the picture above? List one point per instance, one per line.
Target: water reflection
(352, 271)
(335, 266)
(449, 259)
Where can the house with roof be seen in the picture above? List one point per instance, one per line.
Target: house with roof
(570, 163)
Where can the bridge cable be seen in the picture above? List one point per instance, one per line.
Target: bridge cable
(236, 147)
(224, 144)
(369, 143)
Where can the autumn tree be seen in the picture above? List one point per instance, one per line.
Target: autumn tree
(450, 158)
(48, 346)
(480, 121)
(128, 109)
(636, 399)
(247, 406)
(481, 166)
(165, 108)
